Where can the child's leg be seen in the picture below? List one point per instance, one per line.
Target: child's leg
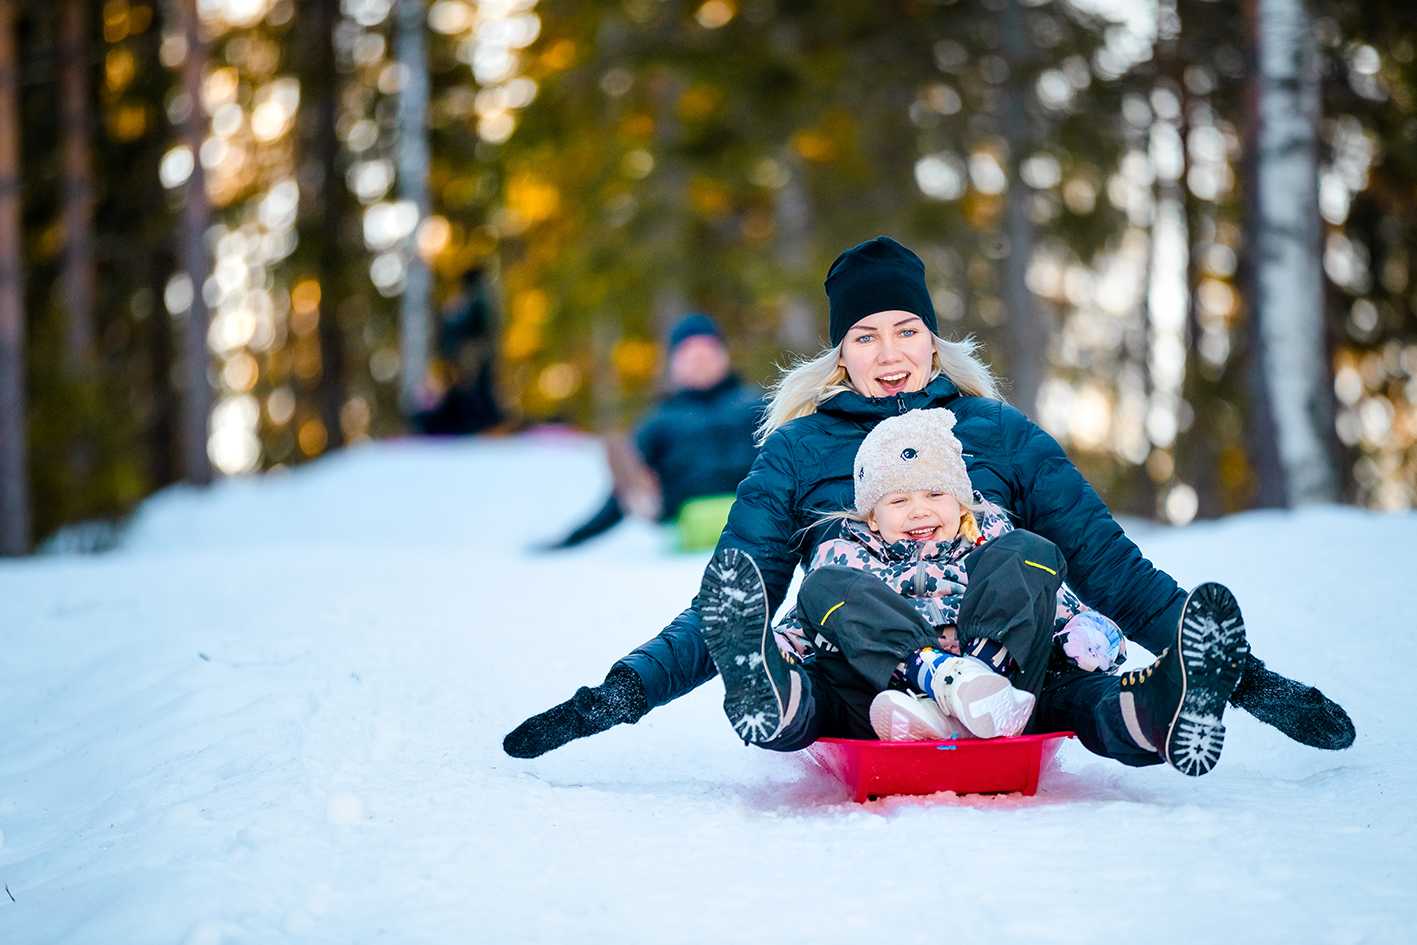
(863, 630)
(857, 614)
(1012, 598)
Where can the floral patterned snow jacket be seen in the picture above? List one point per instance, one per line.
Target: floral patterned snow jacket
(931, 576)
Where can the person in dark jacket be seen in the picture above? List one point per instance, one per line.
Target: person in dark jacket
(818, 415)
(467, 347)
(699, 441)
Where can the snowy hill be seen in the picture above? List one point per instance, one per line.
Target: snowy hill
(276, 712)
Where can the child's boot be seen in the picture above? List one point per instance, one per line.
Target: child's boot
(762, 687)
(981, 699)
(1173, 706)
(900, 716)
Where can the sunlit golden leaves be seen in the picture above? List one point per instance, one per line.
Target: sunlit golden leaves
(121, 21)
(307, 363)
(305, 297)
(709, 197)
(531, 198)
(559, 381)
(636, 360)
(119, 68)
(636, 126)
(699, 103)
(557, 57)
(982, 210)
(313, 437)
(528, 313)
(128, 121)
(812, 145)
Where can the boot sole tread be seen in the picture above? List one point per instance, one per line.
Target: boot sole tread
(733, 610)
(1212, 646)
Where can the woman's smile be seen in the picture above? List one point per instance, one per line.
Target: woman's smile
(894, 382)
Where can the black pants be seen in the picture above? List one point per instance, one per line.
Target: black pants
(863, 630)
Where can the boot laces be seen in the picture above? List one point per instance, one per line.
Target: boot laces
(1137, 676)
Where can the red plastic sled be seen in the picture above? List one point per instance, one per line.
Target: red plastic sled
(968, 766)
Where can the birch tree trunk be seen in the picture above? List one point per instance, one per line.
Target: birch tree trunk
(197, 405)
(78, 187)
(14, 452)
(1286, 234)
(412, 51)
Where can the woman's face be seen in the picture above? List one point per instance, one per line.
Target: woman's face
(888, 353)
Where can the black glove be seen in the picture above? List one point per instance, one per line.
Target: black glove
(1299, 711)
(621, 698)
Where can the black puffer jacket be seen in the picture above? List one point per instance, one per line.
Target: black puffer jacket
(804, 469)
(698, 442)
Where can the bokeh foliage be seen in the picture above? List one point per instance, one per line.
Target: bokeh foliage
(640, 158)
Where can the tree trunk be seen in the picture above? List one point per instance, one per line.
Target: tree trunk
(78, 187)
(1029, 333)
(412, 52)
(324, 226)
(1288, 279)
(14, 460)
(197, 406)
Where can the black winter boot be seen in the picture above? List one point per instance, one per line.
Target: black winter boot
(1174, 706)
(762, 690)
(1299, 711)
(621, 698)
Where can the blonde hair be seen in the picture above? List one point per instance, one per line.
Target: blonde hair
(807, 384)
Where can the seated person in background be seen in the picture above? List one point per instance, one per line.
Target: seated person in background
(697, 443)
(467, 353)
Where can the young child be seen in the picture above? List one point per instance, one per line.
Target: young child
(898, 575)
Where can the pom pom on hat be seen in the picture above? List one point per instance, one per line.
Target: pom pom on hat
(916, 450)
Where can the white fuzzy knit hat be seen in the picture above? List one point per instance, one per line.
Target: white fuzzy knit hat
(916, 450)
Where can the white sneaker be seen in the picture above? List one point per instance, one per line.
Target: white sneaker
(907, 717)
(983, 701)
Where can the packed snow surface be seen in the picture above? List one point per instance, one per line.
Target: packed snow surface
(276, 712)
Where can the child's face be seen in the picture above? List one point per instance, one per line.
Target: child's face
(920, 515)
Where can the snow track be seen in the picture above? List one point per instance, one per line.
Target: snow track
(276, 714)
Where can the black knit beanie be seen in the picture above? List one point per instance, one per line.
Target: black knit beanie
(879, 275)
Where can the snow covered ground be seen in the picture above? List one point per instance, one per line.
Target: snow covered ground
(276, 714)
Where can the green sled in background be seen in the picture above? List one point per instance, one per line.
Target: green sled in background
(700, 522)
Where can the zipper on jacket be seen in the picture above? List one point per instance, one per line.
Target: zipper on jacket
(920, 571)
(899, 404)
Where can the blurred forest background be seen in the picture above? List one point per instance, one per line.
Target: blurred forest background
(238, 234)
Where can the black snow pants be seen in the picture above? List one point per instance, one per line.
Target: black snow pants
(863, 630)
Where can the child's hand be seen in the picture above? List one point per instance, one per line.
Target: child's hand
(949, 642)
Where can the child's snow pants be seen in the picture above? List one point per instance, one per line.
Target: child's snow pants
(863, 630)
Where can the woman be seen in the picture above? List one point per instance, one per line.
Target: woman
(885, 360)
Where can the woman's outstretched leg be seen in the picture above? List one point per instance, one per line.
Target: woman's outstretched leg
(1171, 710)
(768, 697)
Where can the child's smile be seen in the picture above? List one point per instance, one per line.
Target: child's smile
(918, 515)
